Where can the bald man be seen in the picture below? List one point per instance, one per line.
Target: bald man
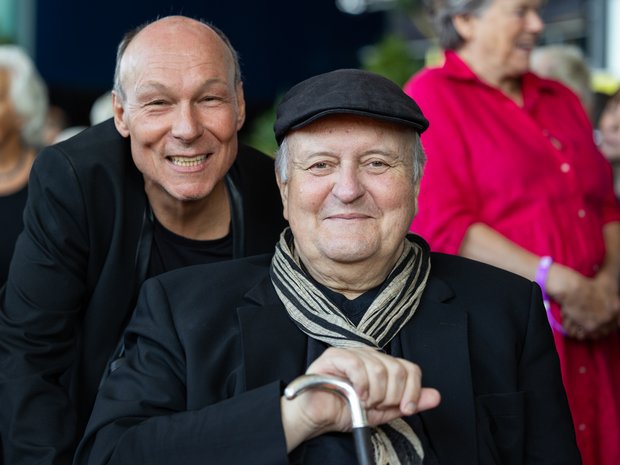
(162, 185)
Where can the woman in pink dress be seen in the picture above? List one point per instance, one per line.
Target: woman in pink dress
(514, 179)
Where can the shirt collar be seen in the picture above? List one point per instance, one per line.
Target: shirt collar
(456, 68)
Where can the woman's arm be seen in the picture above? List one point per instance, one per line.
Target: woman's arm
(590, 306)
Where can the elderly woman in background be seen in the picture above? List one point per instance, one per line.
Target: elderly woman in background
(23, 107)
(514, 179)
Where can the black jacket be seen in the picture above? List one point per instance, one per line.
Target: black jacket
(210, 346)
(75, 276)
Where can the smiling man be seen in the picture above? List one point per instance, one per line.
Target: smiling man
(453, 359)
(163, 185)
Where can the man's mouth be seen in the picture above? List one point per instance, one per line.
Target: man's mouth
(348, 216)
(187, 161)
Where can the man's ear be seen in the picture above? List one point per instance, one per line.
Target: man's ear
(119, 114)
(240, 105)
(416, 193)
(283, 186)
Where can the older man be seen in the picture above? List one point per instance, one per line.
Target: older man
(347, 293)
(162, 185)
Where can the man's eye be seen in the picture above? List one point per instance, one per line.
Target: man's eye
(155, 103)
(319, 165)
(378, 165)
(212, 99)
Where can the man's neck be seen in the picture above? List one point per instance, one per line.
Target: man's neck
(351, 279)
(204, 219)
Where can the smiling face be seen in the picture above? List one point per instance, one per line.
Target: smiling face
(499, 40)
(182, 108)
(350, 195)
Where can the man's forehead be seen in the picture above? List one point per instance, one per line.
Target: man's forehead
(177, 34)
(343, 125)
(160, 57)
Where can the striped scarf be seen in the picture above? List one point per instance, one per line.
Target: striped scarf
(394, 443)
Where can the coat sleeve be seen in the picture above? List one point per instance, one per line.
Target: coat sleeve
(39, 310)
(141, 413)
(550, 437)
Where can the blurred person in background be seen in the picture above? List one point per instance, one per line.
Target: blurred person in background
(102, 108)
(565, 63)
(56, 121)
(515, 179)
(163, 185)
(609, 135)
(23, 107)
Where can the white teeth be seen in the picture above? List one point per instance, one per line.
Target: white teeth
(188, 161)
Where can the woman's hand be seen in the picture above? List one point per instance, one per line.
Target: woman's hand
(590, 306)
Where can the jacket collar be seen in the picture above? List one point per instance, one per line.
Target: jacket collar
(455, 68)
(436, 339)
(268, 333)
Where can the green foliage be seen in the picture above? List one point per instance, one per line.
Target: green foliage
(391, 58)
(260, 133)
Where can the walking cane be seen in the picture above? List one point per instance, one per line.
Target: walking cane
(361, 430)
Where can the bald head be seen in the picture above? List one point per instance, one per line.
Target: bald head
(175, 36)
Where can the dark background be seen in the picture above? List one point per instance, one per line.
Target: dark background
(280, 42)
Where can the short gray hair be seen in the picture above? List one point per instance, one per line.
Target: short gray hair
(27, 91)
(129, 36)
(443, 12)
(414, 145)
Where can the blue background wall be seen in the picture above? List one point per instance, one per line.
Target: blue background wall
(280, 42)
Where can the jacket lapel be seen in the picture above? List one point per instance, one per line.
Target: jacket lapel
(436, 339)
(268, 334)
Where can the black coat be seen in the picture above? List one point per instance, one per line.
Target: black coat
(210, 347)
(75, 276)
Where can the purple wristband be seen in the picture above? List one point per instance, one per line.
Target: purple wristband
(541, 279)
(541, 275)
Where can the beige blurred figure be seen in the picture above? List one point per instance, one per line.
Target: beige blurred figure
(100, 111)
(565, 63)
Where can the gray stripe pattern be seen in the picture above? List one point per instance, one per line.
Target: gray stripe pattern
(395, 304)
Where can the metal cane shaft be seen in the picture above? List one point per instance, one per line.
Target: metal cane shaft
(363, 445)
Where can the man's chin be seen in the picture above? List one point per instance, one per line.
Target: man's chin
(348, 252)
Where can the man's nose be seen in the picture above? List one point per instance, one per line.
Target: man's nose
(348, 185)
(187, 125)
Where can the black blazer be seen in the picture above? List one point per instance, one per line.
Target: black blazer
(210, 347)
(75, 276)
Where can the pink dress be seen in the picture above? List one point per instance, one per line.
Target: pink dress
(533, 174)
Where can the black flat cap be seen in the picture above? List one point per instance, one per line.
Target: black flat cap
(348, 91)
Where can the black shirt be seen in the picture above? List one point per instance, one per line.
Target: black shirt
(171, 251)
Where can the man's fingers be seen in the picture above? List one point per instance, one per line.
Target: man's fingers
(429, 398)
